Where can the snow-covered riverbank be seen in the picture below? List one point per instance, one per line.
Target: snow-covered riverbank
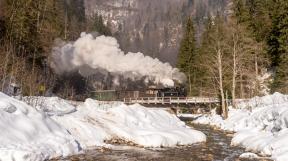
(55, 127)
(95, 122)
(261, 125)
(26, 134)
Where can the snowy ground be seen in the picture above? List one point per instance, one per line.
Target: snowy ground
(261, 125)
(26, 134)
(51, 127)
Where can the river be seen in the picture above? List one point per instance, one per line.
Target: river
(217, 148)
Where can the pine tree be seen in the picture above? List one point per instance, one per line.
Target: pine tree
(259, 18)
(278, 43)
(187, 54)
(241, 11)
(74, 12)
(187, 47)
(2, 29)
(99, 26)
(204, 74)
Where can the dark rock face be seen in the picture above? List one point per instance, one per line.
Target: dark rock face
(153, 27)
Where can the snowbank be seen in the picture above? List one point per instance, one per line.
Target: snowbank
(26, 134)
(50, 105)
(56, 127)
(263, 128)
(92, 125)
(276, 98)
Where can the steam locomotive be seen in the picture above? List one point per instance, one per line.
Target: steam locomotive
(172, 92)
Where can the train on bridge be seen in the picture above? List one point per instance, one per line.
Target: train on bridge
(152, 95)
(171, 98)
(151, 92)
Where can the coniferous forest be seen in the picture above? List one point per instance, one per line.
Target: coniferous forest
(237, 52)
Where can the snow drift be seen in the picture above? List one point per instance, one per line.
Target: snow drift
(92, 125)
(51, 105)
(90, 55)
(261, 125)
(55, 127)
(26, 134)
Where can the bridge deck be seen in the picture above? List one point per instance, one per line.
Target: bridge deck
(171, 100)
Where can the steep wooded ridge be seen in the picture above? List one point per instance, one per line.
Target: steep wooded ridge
(152, 27)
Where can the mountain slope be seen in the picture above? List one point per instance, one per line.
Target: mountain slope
(152, 27)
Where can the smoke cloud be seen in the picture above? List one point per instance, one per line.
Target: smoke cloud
(90, 55)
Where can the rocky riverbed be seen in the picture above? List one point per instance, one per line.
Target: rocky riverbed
(217, 148)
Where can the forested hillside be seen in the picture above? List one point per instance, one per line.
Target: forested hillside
(241, 56)
(28, 31)
(234, 49)
(268, 21)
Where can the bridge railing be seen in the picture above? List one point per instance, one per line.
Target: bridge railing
(170, 100)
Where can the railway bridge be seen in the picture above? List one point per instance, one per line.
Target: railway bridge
(176, 101)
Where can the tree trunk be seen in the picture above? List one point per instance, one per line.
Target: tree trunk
(227, 99)
(32, 76)
(241, 86)
(220, 70)
(190, 84)
(65, 27)
(256, 75)
(5, 67)
(234, 77)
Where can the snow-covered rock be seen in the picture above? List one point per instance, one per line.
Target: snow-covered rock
(261, 125)
(249, 155)
(26, 134)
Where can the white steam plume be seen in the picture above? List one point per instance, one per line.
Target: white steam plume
(90, 55)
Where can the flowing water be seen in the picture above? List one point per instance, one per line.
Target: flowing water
(217, 148)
